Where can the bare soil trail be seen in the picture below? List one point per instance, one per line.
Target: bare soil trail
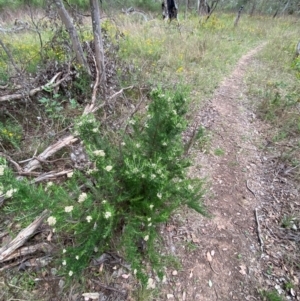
(221, 256)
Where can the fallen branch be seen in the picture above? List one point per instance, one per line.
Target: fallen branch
(259, 231)
(25, 234)
(49, 86)
(51, 175)
(18, 167)
(43, 246)
(49, 151)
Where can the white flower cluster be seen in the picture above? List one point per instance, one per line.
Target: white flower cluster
(108, 168)
(107, 214)
(99, 153)
(82, 197)
(51, 220)
(2, 168)
(69, 208)
(9, 193)
(49, 184)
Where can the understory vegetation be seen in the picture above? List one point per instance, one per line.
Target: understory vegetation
(127, 171)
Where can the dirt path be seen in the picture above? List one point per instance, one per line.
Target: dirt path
(225, 254)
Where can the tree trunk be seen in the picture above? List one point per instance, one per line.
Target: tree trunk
(285, 7)
(170, 9)
(66, 19)
(253, 8)
(99, 53)
(238, 16)
(212, 8)
(202, 7)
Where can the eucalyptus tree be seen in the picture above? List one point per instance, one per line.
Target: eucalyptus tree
(76, 44)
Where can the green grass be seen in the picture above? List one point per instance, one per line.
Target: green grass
(273, 85)
(271, 296)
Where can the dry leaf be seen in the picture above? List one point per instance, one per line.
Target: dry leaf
(93, 296)
(49, 237)
(170, 296)
(174, 273)
(150, 284)
(125, 276)
(212, 253)
(210, 283)
(208, 256)
(194, 238)
(243, 269)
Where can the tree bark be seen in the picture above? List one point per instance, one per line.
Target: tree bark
(66, 19)
(99, 52)
(202, 7)
(212, 8)
(285, 7)
(238, 16)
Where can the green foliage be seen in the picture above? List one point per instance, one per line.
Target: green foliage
(280, 107)
(10, 134)
(219, 152)
(52, 107)
(287, 221)
(137, 178)
(271, 296)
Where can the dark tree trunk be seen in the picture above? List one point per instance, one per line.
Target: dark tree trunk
(238, 16)
(213, 7)
(170, 9)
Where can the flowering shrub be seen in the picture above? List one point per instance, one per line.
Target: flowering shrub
(137, 178)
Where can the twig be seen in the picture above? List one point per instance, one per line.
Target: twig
(250, 189)
(51, 175)
(18, 167)
(111, 98)
(259, 231)
(89, 108)
(108, 287)
(212, 268)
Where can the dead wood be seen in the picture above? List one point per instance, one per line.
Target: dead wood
(24, 235)
(49, 151)
(47, 87)
(51, 175)
(25, 251)
(18, 167)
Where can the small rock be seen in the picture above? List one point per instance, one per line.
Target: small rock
(170, 296)
(174, 273)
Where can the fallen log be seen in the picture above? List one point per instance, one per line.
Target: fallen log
(24, 235)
